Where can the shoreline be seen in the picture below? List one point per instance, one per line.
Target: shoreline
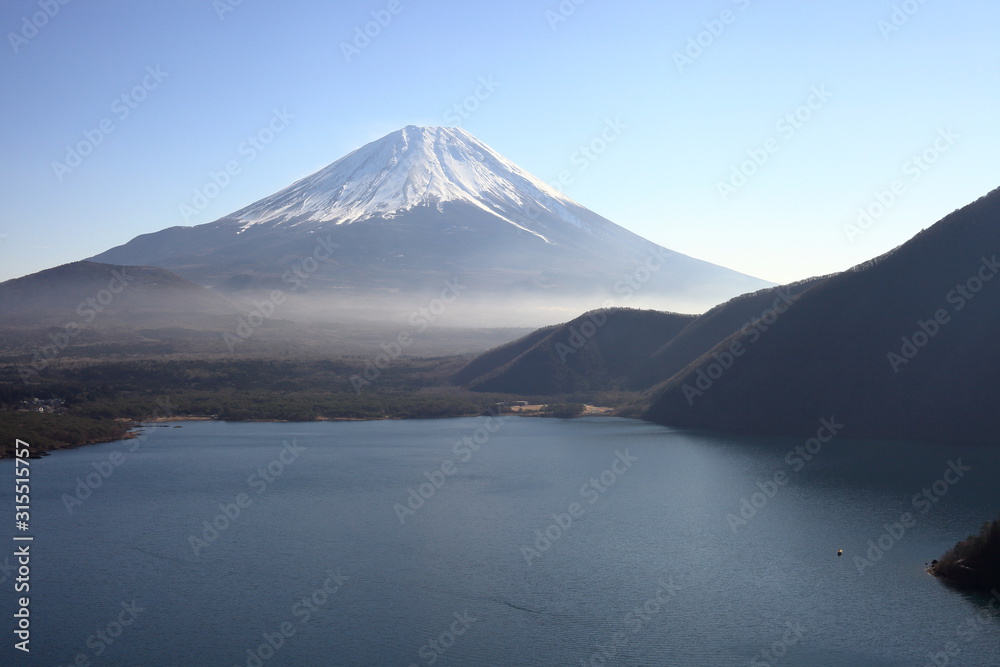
(986, 588)
(135, 426)
(591, 411)
(264, 420)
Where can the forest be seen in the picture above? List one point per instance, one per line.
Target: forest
(102, 400)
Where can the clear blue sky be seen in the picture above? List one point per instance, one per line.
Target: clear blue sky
(887, 94)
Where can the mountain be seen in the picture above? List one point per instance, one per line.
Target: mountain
(90, 309)
(601, 349)
(903, 346)
(99, 308)
(743, 313)
(627, 349)
(87, 292)
(402, 215)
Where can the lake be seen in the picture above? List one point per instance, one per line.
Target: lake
(595, 541)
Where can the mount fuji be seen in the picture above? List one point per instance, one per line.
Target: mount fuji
(398, 217)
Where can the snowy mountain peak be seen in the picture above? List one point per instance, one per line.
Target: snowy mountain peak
(416, 206)
(411, 167)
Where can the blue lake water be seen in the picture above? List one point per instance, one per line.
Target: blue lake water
(522, 542)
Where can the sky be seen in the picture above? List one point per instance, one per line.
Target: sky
(781, 139)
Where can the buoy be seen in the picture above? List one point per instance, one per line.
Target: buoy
(840, 552)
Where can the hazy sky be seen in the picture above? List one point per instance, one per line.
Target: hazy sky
(822, 108)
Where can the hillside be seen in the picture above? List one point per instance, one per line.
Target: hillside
(636, 351)
(88, 291)
(598, 350)
(974, 562)
(903, 346)
(748, 314)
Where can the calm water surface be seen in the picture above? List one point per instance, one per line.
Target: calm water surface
(544, 542)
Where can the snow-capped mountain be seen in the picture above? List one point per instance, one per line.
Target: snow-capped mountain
(415, 166)
(401, 214)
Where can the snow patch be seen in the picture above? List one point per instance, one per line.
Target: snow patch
(415, 166)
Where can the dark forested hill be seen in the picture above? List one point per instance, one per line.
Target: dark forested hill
(748, 314)
(625, 349)
(598, 350)
(903, 346)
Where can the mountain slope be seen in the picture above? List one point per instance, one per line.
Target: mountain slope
(747, 314)
(404, 213)
(85, 291)
(103, 309)
(598, 350)
(410, 168)
(657, 346)
(903, 346)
